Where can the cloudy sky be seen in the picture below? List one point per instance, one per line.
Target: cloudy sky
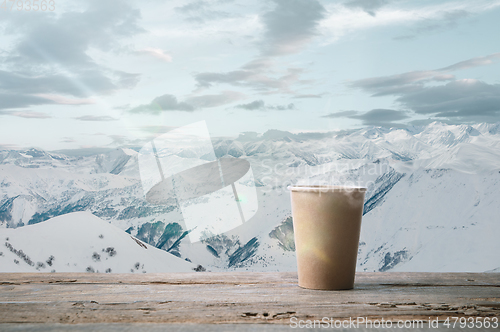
(116, 73)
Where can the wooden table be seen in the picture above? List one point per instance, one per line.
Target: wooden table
(273, 299)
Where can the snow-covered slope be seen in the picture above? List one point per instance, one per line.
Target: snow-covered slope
(434, 220)
(81, 242)
(118, 161)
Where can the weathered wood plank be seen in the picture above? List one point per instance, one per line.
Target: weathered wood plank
(145, 327)
(153, 327)
(240, 297)
(420, 278)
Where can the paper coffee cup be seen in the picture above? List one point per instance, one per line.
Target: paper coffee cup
(327, 223)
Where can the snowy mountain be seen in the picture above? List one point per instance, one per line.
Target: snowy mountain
(431, 203)
(81, 242)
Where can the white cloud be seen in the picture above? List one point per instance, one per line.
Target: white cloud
(457, 100)
(342, 20)
(96, 118)
(31, 115)
(157, 53)
(61, 100)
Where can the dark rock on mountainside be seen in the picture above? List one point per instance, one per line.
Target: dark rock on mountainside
(244, 253)
(390, 261)
(284, 234)
(385, 183)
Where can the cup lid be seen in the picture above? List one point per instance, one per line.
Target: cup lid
(325, 188)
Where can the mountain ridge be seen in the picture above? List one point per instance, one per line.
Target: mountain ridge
(413, 168)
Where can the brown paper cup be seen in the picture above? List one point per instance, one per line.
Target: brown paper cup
(326, 223)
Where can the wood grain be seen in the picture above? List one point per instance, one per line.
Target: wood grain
(207, 297)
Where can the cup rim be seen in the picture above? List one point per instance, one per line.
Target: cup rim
(325, 188)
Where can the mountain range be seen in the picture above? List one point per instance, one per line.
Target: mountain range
(431, 203)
